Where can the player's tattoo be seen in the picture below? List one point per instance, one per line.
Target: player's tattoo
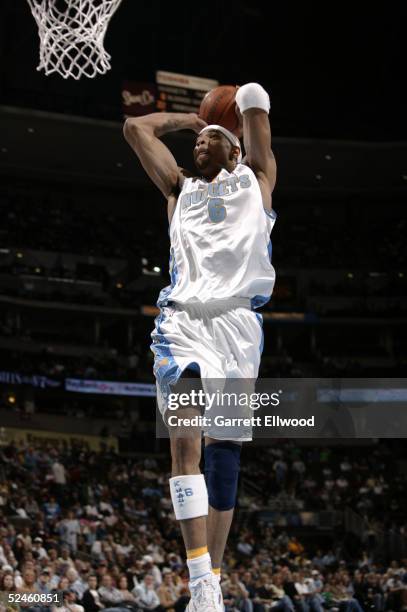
(171, 125)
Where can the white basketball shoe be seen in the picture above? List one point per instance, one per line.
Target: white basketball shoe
(206, 595)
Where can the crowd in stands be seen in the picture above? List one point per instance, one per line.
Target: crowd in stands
(39, 223)
(59, 223)
(98, 530)
(109, 366)
(40, 219)
(62, 351)
(294, 479)
(309, 235)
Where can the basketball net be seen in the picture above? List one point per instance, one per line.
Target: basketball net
(72, 34)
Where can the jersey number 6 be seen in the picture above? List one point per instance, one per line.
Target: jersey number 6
(216, 210)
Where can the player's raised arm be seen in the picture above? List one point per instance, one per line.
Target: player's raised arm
(254, 104)
(143, 135)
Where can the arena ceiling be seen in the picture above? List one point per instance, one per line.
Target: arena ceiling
(335, 78)
(56, 146)
(334, 71)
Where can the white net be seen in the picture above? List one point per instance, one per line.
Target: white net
(72, 34)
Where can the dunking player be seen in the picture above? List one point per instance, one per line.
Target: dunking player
(220, 268)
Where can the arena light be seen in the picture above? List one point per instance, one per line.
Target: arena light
(150, 271)
(149, 311)
(349, 275)
(328, 157)
(284, 316)
(11, 399)
(119, 285)
(401, 275)
(157, 269)
(19, 255)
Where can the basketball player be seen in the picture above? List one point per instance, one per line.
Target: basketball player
(220, 268)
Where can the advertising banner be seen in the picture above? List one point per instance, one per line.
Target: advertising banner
(60, 440)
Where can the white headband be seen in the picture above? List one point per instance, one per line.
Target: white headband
(231, 137)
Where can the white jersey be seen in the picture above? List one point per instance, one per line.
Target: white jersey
(220, 241)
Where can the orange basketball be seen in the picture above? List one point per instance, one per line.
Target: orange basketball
(218, 106)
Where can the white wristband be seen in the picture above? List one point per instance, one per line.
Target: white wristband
(252, 95)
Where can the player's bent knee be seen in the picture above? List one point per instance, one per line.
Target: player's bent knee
(189, 496)
(222, 466)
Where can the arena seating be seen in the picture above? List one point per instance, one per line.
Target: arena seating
(75, 514)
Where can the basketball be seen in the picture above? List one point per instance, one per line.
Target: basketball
(218, 106)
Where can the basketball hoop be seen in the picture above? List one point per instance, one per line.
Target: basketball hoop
(71, 35)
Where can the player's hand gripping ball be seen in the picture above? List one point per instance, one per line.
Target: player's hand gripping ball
(195, 122)
(219, 107)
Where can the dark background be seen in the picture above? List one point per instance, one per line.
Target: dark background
(333, 71)
(84, 233)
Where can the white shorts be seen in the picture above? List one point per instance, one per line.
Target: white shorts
(218, 340)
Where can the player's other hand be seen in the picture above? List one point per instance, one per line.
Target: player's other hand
(196, 123)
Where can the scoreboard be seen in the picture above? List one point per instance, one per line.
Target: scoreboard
(181, 93)
(171, 92)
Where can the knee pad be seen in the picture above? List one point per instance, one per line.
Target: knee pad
(189, 496)
(222, 466)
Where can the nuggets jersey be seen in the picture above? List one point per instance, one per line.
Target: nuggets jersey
(220, 241)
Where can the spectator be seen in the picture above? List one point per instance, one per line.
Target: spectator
(52, 509)
(25, 536)
(28, 585)
(42, 584)
(248, 582)
(235, 593)
(63, 584)
(128, 597)
(312, 592)
(7, 585)
(39, 549)
(110, 596)
(295, 590)
(68, 603)
(91, 599)
(340, 598)
(76, 583)
(145, 594)
(69, 529)
(328, 559)
(149, 567)
(65, 559)
(18, 550)
(270, 595)
(168, 591)
(71, 602)
(295, 546)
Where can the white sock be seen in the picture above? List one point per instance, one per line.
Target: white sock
(199, 567)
